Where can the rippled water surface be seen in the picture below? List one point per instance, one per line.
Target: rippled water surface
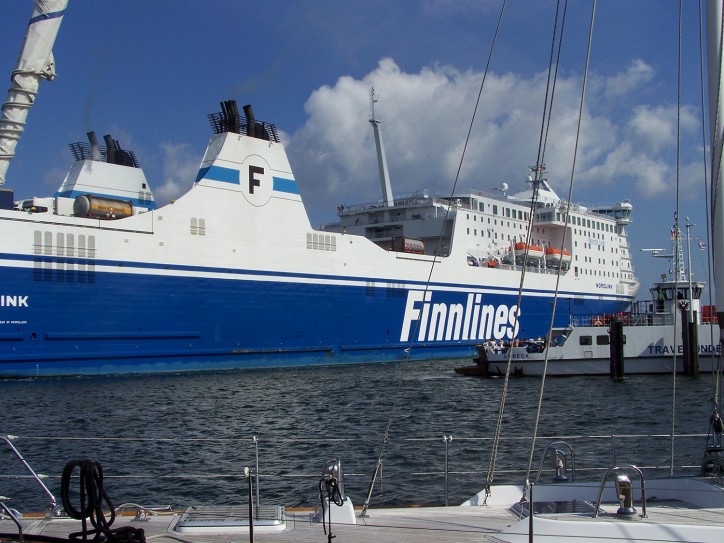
(184, 439)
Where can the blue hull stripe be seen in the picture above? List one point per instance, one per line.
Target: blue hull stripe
(286, 185)
(218, 173)
(271, 275)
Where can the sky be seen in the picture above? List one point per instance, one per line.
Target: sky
(150, 72)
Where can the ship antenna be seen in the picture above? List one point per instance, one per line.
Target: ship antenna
(34, 63)
(387, 198)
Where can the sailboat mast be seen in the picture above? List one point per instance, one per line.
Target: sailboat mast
(387, 198)
(34, 63)
(716, 135)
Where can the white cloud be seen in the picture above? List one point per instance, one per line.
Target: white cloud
(649, 176)
(426, 117)
(636, 75)
(654, 126)
(179, 171)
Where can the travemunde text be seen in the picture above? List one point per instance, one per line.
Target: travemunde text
(457, 322)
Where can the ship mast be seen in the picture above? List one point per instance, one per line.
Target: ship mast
(387, 198)
(34, 63)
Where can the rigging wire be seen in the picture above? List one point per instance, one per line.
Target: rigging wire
(538, 169)
(565, 230)
(385, 438)
(677, 233)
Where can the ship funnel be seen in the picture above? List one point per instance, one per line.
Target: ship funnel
(95, 148)
(229, 120)
(110, 149)
(230, 116)
(250, 120)
(115, 154)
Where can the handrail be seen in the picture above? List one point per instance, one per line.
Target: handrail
(12, 516)
(545, 452)
(446, 467)
(50, 509)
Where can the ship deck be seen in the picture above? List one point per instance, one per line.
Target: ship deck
(408, 524)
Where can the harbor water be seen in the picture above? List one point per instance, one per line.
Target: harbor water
(184, 439)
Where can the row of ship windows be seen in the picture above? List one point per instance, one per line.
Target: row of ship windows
(578, 221)
(593, 235)
(596, 273)
(494, 235)
(519, 216)
(495, 222)
(600, 340)
(600, 261)
(548, 216)
(63, 272)
(65, 244)
(600, 247)
(321, 242)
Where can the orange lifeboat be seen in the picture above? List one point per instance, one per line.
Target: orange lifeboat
(492, 263)
(520, 248)
(556, 255)
(535, 252)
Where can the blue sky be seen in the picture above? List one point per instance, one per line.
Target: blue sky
(150, 72)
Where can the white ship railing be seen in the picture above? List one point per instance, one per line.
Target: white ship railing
(609, 449)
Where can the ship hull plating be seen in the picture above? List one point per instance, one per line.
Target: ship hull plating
(61, 318)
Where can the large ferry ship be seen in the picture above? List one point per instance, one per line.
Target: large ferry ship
(97, 279)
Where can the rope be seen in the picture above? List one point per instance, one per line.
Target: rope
(92, 497)
(334, 495)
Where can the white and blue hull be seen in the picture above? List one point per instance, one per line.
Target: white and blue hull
(185, 317)
(232, 275)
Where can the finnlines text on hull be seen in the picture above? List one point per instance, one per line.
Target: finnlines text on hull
(457, 322)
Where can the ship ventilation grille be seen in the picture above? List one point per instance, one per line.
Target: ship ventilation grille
(84, 151)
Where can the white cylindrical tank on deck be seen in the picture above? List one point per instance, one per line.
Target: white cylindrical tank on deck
(96, 207)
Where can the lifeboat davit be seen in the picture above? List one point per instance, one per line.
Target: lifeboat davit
(556, 255)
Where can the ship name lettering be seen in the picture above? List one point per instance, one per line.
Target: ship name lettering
(669, 349)
(472, 320)
(13, 301)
